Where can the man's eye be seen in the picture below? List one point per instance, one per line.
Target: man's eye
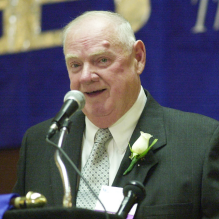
(74, 65)
(104, 60)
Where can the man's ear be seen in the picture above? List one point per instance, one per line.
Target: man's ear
(140, 56)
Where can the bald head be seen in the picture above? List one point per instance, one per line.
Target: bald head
(114, 21)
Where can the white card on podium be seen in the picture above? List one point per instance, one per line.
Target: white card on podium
(112, 197)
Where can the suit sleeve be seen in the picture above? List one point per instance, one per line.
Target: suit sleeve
(210, 182)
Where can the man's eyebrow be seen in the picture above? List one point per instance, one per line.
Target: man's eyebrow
(100, 52)
(70, 56)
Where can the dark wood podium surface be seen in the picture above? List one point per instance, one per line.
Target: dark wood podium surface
(56, 213)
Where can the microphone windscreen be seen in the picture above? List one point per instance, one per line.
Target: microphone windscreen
(137, 188)
(77, 96)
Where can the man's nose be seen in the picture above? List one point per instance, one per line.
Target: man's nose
(86, 72)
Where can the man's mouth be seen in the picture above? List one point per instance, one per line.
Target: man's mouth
(95, 93)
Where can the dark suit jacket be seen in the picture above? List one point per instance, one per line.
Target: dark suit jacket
(180, 173)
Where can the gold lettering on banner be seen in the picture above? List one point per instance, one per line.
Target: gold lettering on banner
(22, 23)
(201, 16)
(137, 12)
(216, 21)
(22, 26)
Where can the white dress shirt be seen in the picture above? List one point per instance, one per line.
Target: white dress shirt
(121, 131)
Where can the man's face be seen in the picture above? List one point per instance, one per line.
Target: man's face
(101, 69)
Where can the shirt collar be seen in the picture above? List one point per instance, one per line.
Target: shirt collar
(126, 124)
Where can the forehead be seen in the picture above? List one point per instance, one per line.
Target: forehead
(90, 33)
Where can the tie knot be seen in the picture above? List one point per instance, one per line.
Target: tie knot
(102, 136)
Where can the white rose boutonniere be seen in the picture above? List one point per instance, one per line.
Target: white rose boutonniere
(139, 149)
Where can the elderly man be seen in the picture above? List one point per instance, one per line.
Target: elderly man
(180, 172)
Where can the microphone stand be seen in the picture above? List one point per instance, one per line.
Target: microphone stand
(67, 198)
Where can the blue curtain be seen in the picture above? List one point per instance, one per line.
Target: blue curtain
(182, 69)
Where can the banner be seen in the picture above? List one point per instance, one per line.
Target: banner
(182, 68)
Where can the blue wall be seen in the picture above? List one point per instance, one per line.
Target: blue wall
(182, 69)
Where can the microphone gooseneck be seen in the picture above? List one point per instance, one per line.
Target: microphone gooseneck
(74, 100)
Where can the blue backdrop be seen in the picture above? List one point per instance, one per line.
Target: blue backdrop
(182, 69)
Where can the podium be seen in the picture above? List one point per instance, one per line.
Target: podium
(56, 213)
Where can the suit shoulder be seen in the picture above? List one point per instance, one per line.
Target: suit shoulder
(188, 118)
(43, 126)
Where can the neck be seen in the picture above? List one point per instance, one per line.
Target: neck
(104, 121)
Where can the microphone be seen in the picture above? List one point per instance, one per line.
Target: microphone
(74, 100)
(134, 192)
(31, 200)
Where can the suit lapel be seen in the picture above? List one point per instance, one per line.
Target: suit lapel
(72, 147)
(151, 121)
